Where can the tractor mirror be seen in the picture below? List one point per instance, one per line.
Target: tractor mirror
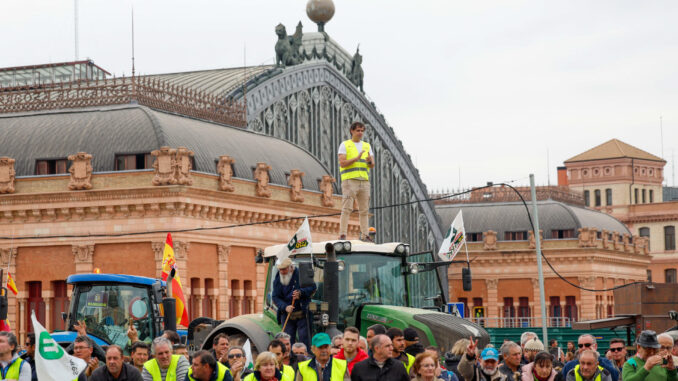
(466, 278)
(306, 274)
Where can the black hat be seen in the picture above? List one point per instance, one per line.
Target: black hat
(410, 334)
(648, 339)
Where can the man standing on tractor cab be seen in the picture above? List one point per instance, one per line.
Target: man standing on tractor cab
(355, 160)
(292, 301)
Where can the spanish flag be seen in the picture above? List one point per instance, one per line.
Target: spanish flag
(168, 262)
(4, 326)
(10, 284)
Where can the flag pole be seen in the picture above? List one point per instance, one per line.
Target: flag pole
(537, 239)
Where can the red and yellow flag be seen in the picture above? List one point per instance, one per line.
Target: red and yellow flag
(4, 326)
(168, 262)
(10, 284)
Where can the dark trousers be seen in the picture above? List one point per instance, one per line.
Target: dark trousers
(299, 326)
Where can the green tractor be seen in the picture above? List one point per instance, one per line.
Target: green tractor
(358, 284)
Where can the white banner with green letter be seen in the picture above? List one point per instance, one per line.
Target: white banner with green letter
(51, 361)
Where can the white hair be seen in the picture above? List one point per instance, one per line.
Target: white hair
(527, 335)
(160, 340)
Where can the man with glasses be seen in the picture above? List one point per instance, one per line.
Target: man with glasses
(588, 368)
(235, 362)
(667, 345)
(617, 353)
(651, 362)
(586, 342)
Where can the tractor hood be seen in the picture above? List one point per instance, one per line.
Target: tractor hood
(434, 327)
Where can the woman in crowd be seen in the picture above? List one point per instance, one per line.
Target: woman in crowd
(541, 369)
(424, 367)
(453, 357)
(265, 368)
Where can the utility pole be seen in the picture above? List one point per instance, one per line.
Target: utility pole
(77, 37)
(537, 238)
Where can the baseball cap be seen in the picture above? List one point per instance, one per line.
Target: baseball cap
(490, 354)
(410, 334)
(321, 339)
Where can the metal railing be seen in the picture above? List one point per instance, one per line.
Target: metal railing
(521, 322)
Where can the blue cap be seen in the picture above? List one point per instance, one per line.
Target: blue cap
(321, 339)
(489, 354)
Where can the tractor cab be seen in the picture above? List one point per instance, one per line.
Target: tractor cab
(109, 303)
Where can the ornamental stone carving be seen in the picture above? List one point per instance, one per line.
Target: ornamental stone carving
(184, 166)
(638, 243)
(165, 161)
(8, 256)
(490, 240)
(296, 184)
(626, 240)
(606, 239)
(492, 283)
(615, 241)
(83, 253)
(262, 178)
(327, 190)
(81, 171)
(158, 250)
(587, 237)
(7, 175)
(287, 47)
(225, 170)
(181, 249)
(533, 242)
(223, 252)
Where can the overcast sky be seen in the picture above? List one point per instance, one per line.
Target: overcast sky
(476, 90)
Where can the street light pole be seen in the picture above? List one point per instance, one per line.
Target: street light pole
(537, 239)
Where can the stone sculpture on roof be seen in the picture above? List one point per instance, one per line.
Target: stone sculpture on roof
(287, 47)
(355, 75)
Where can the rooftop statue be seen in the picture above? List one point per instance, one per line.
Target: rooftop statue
(287, 47)
(355, 74)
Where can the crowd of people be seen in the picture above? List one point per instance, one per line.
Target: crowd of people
(384, 354)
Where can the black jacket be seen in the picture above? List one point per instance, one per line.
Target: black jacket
(415, 349)
(368, 370)
(128, 373)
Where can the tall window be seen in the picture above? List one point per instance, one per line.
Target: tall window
(475, 237)
(233, 303)
(515, 236)
(133, 161)
(608, 196)
(509, 312)
(651, 196)
(571, 308)
(670, 276)
(35, 302)
(465, 301)
(587, 198)
(60, 303)
(649, 275)
(635, 195)
(597, 197)
(669, 238)
(477, 302)
(207, 301)
(645, 232)
(51, 167)
(524, 311)
(555, 311)
(562, 234)
(194, 311)
(644, 201)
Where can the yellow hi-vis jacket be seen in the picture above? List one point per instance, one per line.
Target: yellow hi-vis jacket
(152, 367)
(221, 372)
(12, 371)
(358, 170)
(309, 374)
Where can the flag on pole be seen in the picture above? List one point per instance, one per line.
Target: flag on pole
(454, 239)
(249, 364)
(52, 363)
(300, 243)
(169, 263)
(10, 284)
(4, 326)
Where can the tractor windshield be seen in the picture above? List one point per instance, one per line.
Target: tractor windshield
(108, 309)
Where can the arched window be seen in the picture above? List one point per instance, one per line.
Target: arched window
(608, 196)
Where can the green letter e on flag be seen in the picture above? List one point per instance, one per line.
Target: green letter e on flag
(48, 348)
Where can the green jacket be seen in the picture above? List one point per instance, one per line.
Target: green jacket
(634, 370)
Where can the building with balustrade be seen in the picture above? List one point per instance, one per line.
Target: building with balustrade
(94, 170)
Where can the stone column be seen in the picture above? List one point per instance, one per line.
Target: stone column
(8, 260)
(223, 252)
(83, 258)
(198, 300)
(587, 298)
(181, 257)
(158, 251)
(213, 303)
(492, 309)
(48, 298)
(21, 324)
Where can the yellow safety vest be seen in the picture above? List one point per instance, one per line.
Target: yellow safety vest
(221, 372)
(410, 362)
(152, 367)
(359, 169)
(578, 376)
(309, 374)
(11, 372)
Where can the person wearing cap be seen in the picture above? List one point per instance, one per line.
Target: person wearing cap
(322, 366)
(486, 370)
(649, 363)
(532, 347)
(398, 339)
(588, 368)
(412, 345)
(286, 290)
(587, 341)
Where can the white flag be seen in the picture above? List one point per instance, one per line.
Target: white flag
(300, 243)
(454, 239)
(249, 364)
(52, 363)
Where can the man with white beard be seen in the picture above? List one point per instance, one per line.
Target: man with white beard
(486, 370)
(292, 300)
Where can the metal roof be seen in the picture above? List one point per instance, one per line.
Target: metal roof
(133, 129)
(512, 217)
(613, 149)
(115, 278)
(356, 246)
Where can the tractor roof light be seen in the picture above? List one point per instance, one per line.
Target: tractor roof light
(414, 268)
(400, 249)
(338, 247)
(341, 265)
(347, 247)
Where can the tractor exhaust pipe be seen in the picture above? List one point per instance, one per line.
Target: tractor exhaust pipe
(331, 289)
(169, 305)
